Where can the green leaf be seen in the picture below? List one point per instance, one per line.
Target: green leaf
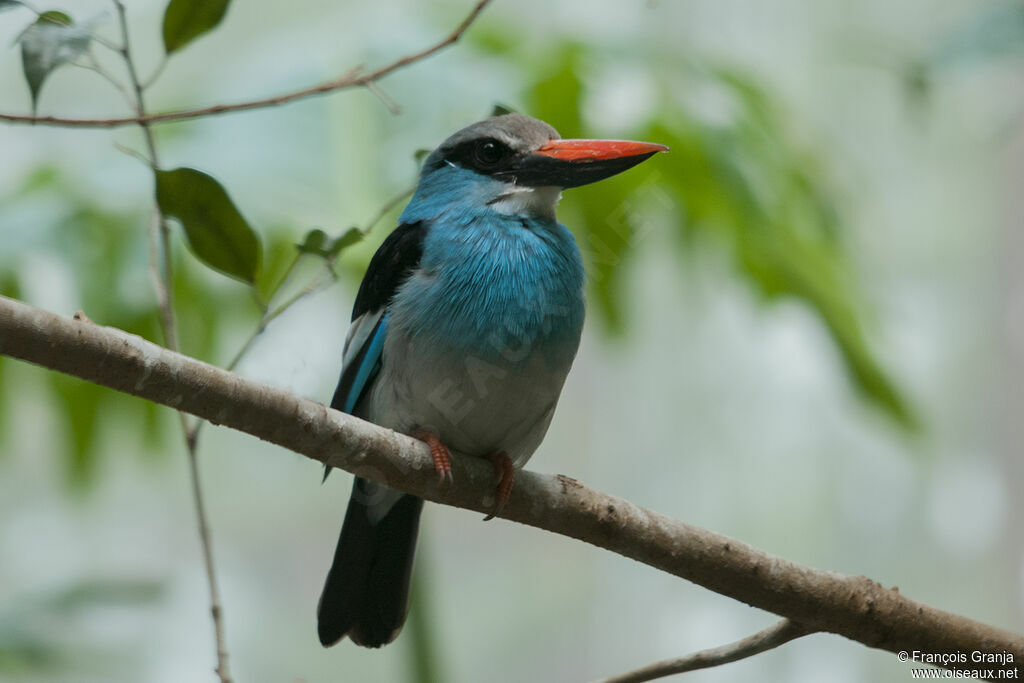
(217, 233)
(51, 41)
(339, 244)
(317, 243)
(419, 155)
(501, 110)
(186, 20)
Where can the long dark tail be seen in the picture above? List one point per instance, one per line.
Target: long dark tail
(366, 595)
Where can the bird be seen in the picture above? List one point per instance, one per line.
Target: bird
(463, 331)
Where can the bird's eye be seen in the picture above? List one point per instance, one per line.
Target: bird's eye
(489, 153)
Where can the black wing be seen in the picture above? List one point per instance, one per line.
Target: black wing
(395, 259)
(397, 256)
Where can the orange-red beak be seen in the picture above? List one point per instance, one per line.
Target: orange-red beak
(571, 163)
(598, 150)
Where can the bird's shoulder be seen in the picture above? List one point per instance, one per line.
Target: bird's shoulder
(391, 265)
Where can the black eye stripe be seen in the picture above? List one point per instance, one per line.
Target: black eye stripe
(484, 156)
(489, 152)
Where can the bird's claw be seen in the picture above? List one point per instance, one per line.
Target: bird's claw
(438, 451)
(506, 474)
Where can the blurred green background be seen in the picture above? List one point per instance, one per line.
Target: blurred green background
(805, 330)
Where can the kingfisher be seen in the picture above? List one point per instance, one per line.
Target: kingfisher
(463, 331)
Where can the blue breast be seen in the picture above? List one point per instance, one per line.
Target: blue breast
(491, 284)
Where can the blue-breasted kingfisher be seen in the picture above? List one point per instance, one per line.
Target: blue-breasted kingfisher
(463, 331)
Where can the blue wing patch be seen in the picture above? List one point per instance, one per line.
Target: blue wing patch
(360, 368)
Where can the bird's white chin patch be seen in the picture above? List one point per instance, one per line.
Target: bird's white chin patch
(519, 200)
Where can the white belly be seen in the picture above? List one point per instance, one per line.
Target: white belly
(475, 406)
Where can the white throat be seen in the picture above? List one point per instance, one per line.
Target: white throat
(518, 200)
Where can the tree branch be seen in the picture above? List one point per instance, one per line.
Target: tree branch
(852, 606)
(350, 79)
(775, 635)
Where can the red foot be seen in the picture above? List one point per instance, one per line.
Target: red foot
(438, 451)
(506, 475)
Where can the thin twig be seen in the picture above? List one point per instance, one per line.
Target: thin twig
(315, 286)
(138, 156)
(216, 611)
(387, 207)
(350, 79)
(775, 635)
(165, 290)
(156, 73)
(100, 40)
(159, 283)
(392, 106)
